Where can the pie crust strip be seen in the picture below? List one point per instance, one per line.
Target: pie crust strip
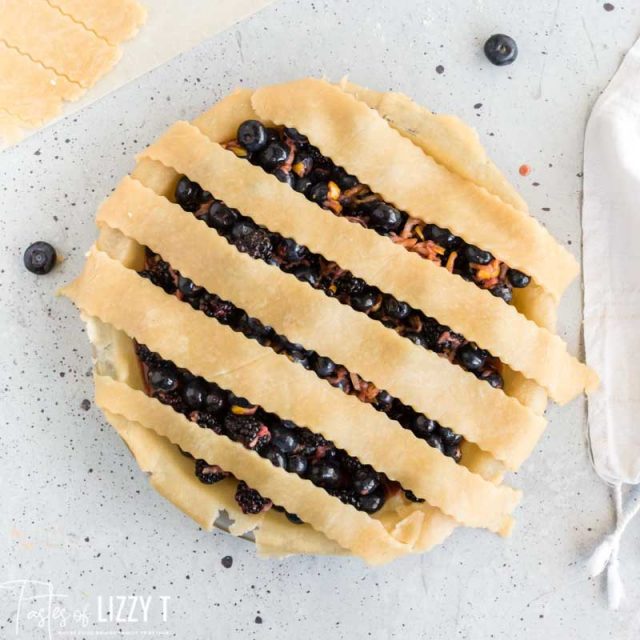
(30, 91)
(113, 20)
(497, 423)
(350, 528)
(446, 138)
(46, 35)
(358, 139)
(120, 297)
(535, 352)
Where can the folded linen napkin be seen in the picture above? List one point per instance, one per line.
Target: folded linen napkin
(611, 267)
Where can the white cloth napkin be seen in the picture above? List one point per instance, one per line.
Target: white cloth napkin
(611, 267)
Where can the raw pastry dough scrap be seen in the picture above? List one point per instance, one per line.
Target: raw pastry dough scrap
(54, 50)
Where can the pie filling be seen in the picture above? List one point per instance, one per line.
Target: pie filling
(160, 273)
(328, 277)
(283, 443)
(287, 154)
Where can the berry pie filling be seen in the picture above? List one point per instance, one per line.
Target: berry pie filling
(328, 277)
(160, 273)
(289, 156)
(283, 443)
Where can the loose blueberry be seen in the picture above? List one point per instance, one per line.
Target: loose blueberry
(252, 135)
(472, 357)
(501, 49)
(449, 437)
(295, 136)
(518, 279)
(302, 185)
(39, 258)
(434, 441)
(163, 378)
(344, 180)
(473, 254)
(383, 401)
(293, 251)
(241, 229)
(273, 155)
(195, 393)
(385, 217)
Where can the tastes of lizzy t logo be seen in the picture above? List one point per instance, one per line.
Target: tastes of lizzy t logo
(37, 611)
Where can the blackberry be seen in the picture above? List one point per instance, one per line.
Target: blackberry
(209, 473)
(250, 500)
(431, 331)
(256, 243)
(246, 429)
(214, 307)
(207, 421)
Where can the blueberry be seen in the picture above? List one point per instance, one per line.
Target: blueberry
(215, 399)
(284, 439)
(385, 217)
(423, 426)
(187, 287)
(449, 437)
(364, 300)
(302, 185)
(325, 474)
(195, 393)
(297, 464)
(501, 49)
(365, 481)
(383, 401)
(188, 194)
(220, 216)
(302, 164)
(293, 518)
(372, 502)
(518, 279)
(163, 378)
(241, 229)
(344, 180)
(434, 441)
(324, 367)
(39, 258)
(252, 135)
(453, 451)
(318, 193)
(307, 273)
(295, 136)
(273, 155)
(419, 339)
(503, 291)
(472, 357)
(284, 176)
(473, 254)
(395, 308)
(275, 456)
(495, 380)
(293, 251)
(440, 236)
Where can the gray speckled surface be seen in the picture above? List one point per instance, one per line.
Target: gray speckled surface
(75, 510)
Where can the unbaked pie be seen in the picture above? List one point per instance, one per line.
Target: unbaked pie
(324, 311)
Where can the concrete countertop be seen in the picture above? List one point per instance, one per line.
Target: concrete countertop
(74, 509)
